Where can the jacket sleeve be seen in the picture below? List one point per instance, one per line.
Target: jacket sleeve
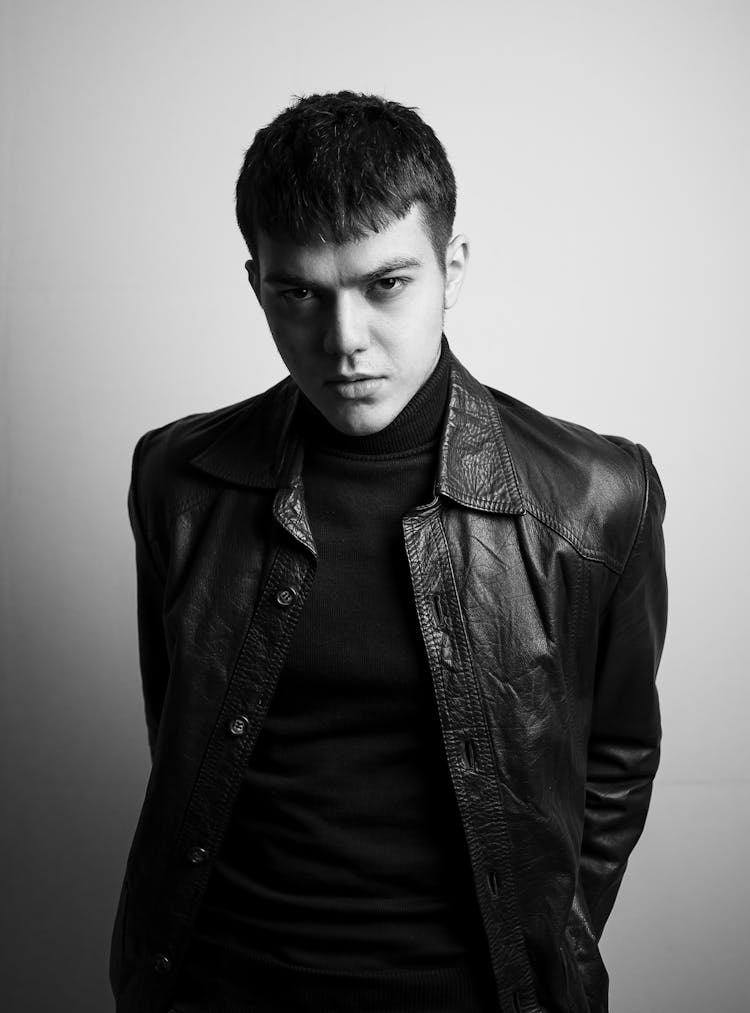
(154, 660)
(623, 752)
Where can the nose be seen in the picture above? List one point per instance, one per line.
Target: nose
(347, 327)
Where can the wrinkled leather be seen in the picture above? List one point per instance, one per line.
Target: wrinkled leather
(539, 584)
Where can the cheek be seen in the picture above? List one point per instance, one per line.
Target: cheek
(297, 356)
(286, 349)
(430, 311)
(288, 322)
(415, 322)
(291, 337)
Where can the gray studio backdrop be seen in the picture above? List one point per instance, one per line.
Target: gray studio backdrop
(603, 161)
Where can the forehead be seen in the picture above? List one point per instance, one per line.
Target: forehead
(404, 239)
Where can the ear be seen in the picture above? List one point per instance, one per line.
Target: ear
(253, 276)
(456, 261)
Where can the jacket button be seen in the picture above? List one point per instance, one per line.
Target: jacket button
(285, 596)
(162, 963)
(238, 725)
(197, 855)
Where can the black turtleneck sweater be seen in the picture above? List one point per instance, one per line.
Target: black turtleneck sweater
(344, 881)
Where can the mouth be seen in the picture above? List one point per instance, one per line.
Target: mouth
(355, 385)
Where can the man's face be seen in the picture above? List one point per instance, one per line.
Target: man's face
(359, 325)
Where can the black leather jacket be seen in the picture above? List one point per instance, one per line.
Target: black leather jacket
(538, 575)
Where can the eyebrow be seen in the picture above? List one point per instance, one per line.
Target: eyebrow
(296, 280)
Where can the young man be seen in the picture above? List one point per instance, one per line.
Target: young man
(398, 634)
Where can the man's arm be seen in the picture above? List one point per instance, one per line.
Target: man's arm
(152, 646)
(623, 752)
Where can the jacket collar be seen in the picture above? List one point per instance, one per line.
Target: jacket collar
(262, 448)
(259, 446)
(475, 466)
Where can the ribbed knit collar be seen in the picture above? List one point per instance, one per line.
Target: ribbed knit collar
(417, 424)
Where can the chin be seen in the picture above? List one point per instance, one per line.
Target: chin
(361, 423)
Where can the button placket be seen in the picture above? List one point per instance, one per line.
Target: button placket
(459, 700)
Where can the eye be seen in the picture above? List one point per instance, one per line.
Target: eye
(297, 295)
(389, 286)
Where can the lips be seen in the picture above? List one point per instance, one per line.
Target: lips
(355, 385)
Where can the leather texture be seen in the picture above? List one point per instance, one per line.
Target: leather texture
(540, 589)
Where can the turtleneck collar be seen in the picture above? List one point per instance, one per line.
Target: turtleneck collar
(417, 424)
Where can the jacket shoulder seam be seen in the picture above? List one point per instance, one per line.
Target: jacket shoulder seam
(640, 526)
(596, 555)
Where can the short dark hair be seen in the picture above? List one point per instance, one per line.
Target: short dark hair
(334, 167)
